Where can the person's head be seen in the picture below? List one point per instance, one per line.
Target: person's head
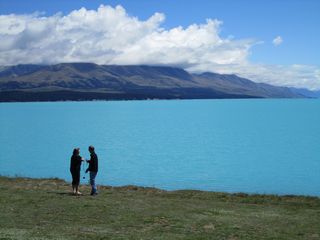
(91, 149)
(76, 151)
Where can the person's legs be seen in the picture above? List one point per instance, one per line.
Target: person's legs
(77, 182)
(77, 190)
(73, 183)
(93, 182)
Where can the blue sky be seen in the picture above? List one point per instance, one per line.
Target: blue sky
(294, 22)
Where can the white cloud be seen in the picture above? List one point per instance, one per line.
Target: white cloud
(300, 76)
(277, 41)
(110, 36)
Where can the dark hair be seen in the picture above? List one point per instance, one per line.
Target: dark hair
(91, 148)
(76, 151)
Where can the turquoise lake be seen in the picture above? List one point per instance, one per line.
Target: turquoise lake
(267, 146)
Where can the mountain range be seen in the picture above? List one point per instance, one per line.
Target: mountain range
(89, 81)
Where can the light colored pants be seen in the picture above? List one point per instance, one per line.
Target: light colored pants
(93, 182)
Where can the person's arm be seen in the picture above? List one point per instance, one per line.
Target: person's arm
(91, 160)
(88, 161)
(80, 159)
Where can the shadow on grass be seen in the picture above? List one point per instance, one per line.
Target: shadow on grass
(62, 193)
(70, 194)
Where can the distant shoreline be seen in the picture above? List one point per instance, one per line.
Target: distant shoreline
(152, 99)
(62, 96)
(12, 99)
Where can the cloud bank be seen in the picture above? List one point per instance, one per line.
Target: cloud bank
(110, 36)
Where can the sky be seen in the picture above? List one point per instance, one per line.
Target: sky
(272, 41)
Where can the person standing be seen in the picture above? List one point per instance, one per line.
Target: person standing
(75, 166)
(93, 169)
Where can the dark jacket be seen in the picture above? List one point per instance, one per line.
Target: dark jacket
(93, 163)
(75, 163)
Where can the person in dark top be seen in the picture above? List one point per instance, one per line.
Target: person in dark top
(93, 169)
(75, 166)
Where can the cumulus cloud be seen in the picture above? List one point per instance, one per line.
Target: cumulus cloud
(277, 41)
(109, 35)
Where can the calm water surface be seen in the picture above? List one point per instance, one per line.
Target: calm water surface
(254, 146)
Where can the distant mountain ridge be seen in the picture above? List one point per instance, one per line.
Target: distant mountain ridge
(306, 92)
(88, 81)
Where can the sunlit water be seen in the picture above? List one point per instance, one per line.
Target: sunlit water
(253, 146)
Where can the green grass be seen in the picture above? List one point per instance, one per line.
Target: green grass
(45, 209)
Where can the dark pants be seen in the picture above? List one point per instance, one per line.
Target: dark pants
(75, 177)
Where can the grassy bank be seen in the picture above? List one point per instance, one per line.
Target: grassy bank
(45, 209)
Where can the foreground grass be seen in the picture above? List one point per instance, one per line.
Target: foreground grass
(45, 209)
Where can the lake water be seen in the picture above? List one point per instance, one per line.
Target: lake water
(253, 146)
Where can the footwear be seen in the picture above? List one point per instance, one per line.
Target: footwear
(93, 193)
(79, 193)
